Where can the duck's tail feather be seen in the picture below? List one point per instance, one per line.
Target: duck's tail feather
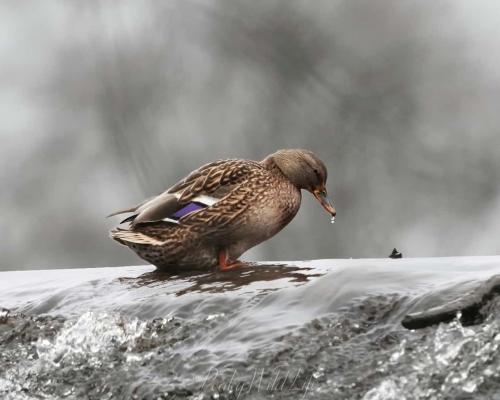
(125, 236)
(124, 211)
(131, 218)
(130, 209)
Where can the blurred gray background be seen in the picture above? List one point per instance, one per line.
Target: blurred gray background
(104, 103)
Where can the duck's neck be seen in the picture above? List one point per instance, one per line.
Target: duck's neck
(271, 165)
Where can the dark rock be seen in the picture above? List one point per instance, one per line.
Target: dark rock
(396, 254)
(470, 306)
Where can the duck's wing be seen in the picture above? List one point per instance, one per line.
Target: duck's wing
(228, 213)
(201, 188)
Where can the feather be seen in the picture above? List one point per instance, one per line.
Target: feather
(128, 219)
(126, 236)
(162, 206)
(127, 210)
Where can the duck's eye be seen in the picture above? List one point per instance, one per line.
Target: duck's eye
(317, 173)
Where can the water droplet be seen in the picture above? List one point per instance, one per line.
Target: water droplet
(332, 220)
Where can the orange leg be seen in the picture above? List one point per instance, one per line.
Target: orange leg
(225, 264)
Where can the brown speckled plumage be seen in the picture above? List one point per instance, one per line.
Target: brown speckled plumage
(255, 201)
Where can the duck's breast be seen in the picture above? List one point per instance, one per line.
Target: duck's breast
(270, 214)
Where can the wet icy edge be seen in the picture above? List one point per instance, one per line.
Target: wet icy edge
(40, 354)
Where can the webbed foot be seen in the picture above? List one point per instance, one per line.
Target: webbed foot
(226, 264)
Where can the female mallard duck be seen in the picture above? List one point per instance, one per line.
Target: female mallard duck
(222, 209)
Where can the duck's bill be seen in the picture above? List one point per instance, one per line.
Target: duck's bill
(325, 201)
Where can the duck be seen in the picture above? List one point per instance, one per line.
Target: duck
(217, 212)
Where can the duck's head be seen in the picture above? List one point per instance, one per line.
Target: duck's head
(306, 171)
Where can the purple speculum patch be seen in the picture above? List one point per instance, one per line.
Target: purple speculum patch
(190, 208)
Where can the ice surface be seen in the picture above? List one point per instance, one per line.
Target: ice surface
(309, 329)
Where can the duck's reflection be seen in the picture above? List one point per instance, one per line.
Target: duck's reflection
(216, 282)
